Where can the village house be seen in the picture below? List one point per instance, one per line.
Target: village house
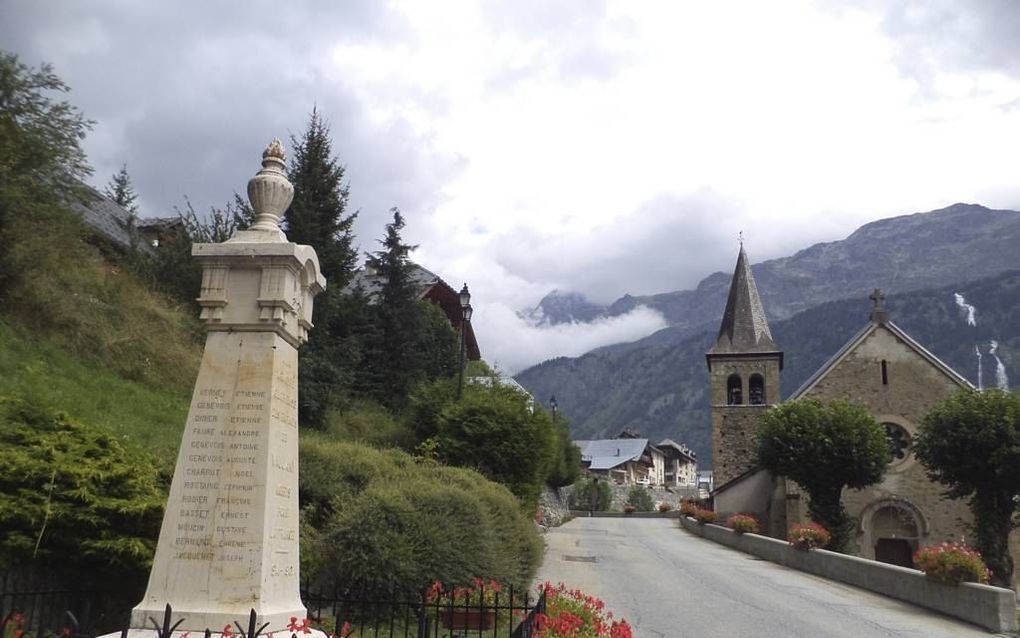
(624, 461)
(681, 464)
(429, 286)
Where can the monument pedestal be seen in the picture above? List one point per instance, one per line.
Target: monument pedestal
(229, 542)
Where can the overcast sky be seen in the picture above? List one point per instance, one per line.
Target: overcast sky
(603, 147)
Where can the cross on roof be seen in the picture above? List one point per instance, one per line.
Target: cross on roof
(878, 313)
(877, 297)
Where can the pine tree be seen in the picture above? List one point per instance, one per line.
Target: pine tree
(398, 365)
(317, 216)
(121, 191)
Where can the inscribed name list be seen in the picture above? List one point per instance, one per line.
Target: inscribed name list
(231, 518)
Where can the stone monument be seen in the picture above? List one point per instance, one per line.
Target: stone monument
(229, 540)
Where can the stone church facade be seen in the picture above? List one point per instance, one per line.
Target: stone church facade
(881, 368)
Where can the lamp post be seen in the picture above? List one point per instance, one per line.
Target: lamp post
(465, 308)
(553, 405)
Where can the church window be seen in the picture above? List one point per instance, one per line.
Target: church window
(734, 390)
(899, 443)
(756, 390)
(885, 372)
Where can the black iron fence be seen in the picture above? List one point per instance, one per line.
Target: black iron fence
(44, 608)
(483, 611)
(37, 604)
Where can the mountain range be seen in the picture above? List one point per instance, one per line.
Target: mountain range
(816, 299)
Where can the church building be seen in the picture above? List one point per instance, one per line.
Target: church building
(881, 368)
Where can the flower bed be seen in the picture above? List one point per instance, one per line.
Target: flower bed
(951, 564)
(572, 613)
(704, 516)
(808, 536)
(743, 524)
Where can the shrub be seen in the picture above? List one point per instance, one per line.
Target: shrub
(376, 519)
(808, 536)
(629, 509)
(704, 516)
(491, 429)
(75, 502)
(743, 524)
(101, 503)
(640, 498)
(665, 507)
(370, 423)
(588, 488)
(951, 564)
(688, 508)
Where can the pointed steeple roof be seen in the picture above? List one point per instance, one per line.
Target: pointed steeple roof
(744, 329)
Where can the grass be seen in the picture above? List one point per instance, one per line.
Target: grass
(142, 416)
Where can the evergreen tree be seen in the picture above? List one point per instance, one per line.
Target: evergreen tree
(397, 366)
(121, 191)
(317, 216)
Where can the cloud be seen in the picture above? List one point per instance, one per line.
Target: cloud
(189, 100)
(602, 147)
(522, 344)
(936, 36)
(668, 243)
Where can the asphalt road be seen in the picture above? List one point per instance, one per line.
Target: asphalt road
(667, 582)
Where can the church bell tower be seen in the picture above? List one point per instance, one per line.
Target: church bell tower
(743, 368)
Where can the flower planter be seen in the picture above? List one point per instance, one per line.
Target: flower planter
(468, 618)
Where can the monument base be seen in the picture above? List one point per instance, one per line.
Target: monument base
(197, 621)
(152, 633)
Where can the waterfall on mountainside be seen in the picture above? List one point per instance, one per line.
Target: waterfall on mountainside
(1001, 380)
(977, 353)
(967, 308)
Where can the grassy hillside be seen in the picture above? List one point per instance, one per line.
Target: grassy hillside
(141, 415)
(80, 333)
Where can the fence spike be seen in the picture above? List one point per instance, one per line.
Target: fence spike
(74, 622)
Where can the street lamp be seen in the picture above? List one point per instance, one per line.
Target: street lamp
(553, 405)
(465, 309)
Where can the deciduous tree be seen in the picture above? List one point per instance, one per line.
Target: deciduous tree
(41, 159)
(971, 443)
(824, 448)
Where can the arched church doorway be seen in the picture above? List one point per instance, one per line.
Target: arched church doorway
(892, 531)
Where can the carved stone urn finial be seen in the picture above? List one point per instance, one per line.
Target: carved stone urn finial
(270, 192)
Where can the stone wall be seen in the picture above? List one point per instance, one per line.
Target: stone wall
(672, 495)
(552, 505)
(993, 608)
